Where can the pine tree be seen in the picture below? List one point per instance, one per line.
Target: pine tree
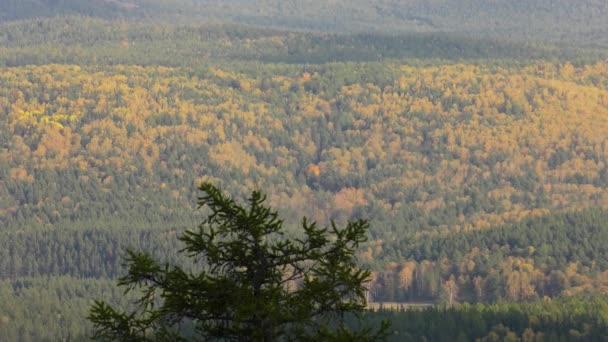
(253, 283)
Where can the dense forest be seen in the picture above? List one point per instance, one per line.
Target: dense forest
(95, 42)
(535, 258)
(422, 148)
(580, 318)
(480, 160)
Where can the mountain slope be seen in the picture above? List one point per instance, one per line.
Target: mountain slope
(94, 41)
(583, 22)
(23, 9)
(420, 148)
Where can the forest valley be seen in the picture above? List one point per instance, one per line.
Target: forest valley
(481, 165)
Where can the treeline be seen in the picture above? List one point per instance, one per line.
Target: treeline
(87, 41)
(34, 309)
(535, 258)
(579, 318)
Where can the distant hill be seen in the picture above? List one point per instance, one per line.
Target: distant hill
(23, 9)
(584, 21)
(93, 41)
(560, 20)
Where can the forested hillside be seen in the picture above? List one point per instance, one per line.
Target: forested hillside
(92, 155)
(87, 41)
(451, 147)
(481, 163)
(539, 257)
